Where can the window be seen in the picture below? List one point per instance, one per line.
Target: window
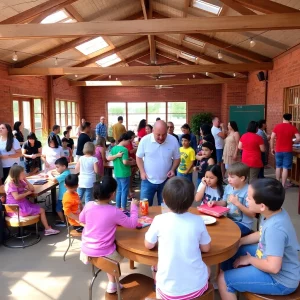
(60, 16)
(109, 60)
(292, 104)
(66, 114)
(204, 5)
(194, 41)
(38, 118)
(134, 112)
(92, 46)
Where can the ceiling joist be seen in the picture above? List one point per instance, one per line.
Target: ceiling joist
(153, 26)
(238, 7)
(267, 6)
(146, 70)
(166, 82)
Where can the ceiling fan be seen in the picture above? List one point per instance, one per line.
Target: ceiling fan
(160, 76)
(159, 87)
(155, 64)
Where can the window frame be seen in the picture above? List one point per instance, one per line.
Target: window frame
(290, 105)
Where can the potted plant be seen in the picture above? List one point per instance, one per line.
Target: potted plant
(200, 119)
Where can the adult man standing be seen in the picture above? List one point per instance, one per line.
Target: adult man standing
(218, 132)
(118, 129)
(55, 133)
(284, 134)
(157, 158)
(101, 129)
(83, 138)
(170, 126)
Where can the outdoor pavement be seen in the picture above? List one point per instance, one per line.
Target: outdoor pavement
(39, 272)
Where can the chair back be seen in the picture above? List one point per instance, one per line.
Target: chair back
(13, 209)
(107, 265)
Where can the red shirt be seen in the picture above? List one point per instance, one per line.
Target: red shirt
(142, 132)
(251, 151)
(129, 148)
(285, 133)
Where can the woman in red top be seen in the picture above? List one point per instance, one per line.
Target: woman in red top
(252, 146)
(141, 131)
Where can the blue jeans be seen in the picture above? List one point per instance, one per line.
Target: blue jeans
(149, 189)
(249, 278)
(188, 176)
(219, 153)
(122, 191)
(88, 192)
(244, 230)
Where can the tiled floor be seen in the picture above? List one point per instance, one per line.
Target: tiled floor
(39, 272)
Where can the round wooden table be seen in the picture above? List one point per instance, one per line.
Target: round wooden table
(225, 236)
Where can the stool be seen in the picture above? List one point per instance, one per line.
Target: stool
(293, 296)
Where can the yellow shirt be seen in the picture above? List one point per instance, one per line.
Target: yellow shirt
(187, 157)
(118, 130)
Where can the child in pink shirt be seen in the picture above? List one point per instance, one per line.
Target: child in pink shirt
(101, 220)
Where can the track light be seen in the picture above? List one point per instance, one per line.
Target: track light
(109, 76)
(234, 75)
(76, 75)
(188, 79)
(15, 56)
(194, 76)
(220, 56)
(252, 43)
(116, 78)
(206, 73)
(56, 61)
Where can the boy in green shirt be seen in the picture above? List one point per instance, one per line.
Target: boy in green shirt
(187, 158)
(122, 169)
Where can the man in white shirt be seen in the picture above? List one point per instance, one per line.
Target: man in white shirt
(218, 132)
(157, 158)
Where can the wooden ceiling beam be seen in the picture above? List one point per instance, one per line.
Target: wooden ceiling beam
(164, 82)
(267, 6)
(28, 15)
(230, 48)
(153, 26)
(238, 7)
(148, 70)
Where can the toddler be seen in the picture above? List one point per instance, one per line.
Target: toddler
(100, 221)
(181, 273)
(68, 153)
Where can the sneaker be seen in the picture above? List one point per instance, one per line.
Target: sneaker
(112, 287)
(51, 231)
(60, 224)
(113, 201)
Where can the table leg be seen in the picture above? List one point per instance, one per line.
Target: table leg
(131, 264)
(53, 200)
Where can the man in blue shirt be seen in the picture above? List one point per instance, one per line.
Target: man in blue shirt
(101, 129)
(55, 133)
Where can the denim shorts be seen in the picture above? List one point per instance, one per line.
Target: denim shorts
(284, 160)
(251, 279)
(59, 206)
(219, 153)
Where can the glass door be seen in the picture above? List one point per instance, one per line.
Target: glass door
(23, 112)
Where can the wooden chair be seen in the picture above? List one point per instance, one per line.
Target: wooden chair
(135, 286)
(72, 234)
(208, 295)
(293, 296)
(20, 222)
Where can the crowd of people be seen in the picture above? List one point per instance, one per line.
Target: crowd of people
(166, 163)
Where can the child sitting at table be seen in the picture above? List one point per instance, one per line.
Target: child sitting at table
(267, 261)
(181, 273)
(71, 202)
(59, 176)
(100, 221)
(211, 188)
(17, 188)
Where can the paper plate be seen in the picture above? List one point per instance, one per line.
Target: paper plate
(208, 220)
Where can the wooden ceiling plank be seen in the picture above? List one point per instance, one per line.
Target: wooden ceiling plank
(182, 69)
(28, 15)
(164, 82)
(230, 48)
(267, 6)
(74, 13)
(184, 15)
(238, 7)
(153, 26)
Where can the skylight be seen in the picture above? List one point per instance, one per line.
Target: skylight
(109, 60)
(194, 41)
(214, 9)
(60, 16)
(92, 46)
(188, 56)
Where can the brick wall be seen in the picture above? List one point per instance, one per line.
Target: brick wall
(199, 98)
(34, 86)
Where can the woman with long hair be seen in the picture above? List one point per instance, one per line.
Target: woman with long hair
(51, 153)
(32, 151)
(17, 132)
(231, 150)
(141, 130)
(10, 149)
